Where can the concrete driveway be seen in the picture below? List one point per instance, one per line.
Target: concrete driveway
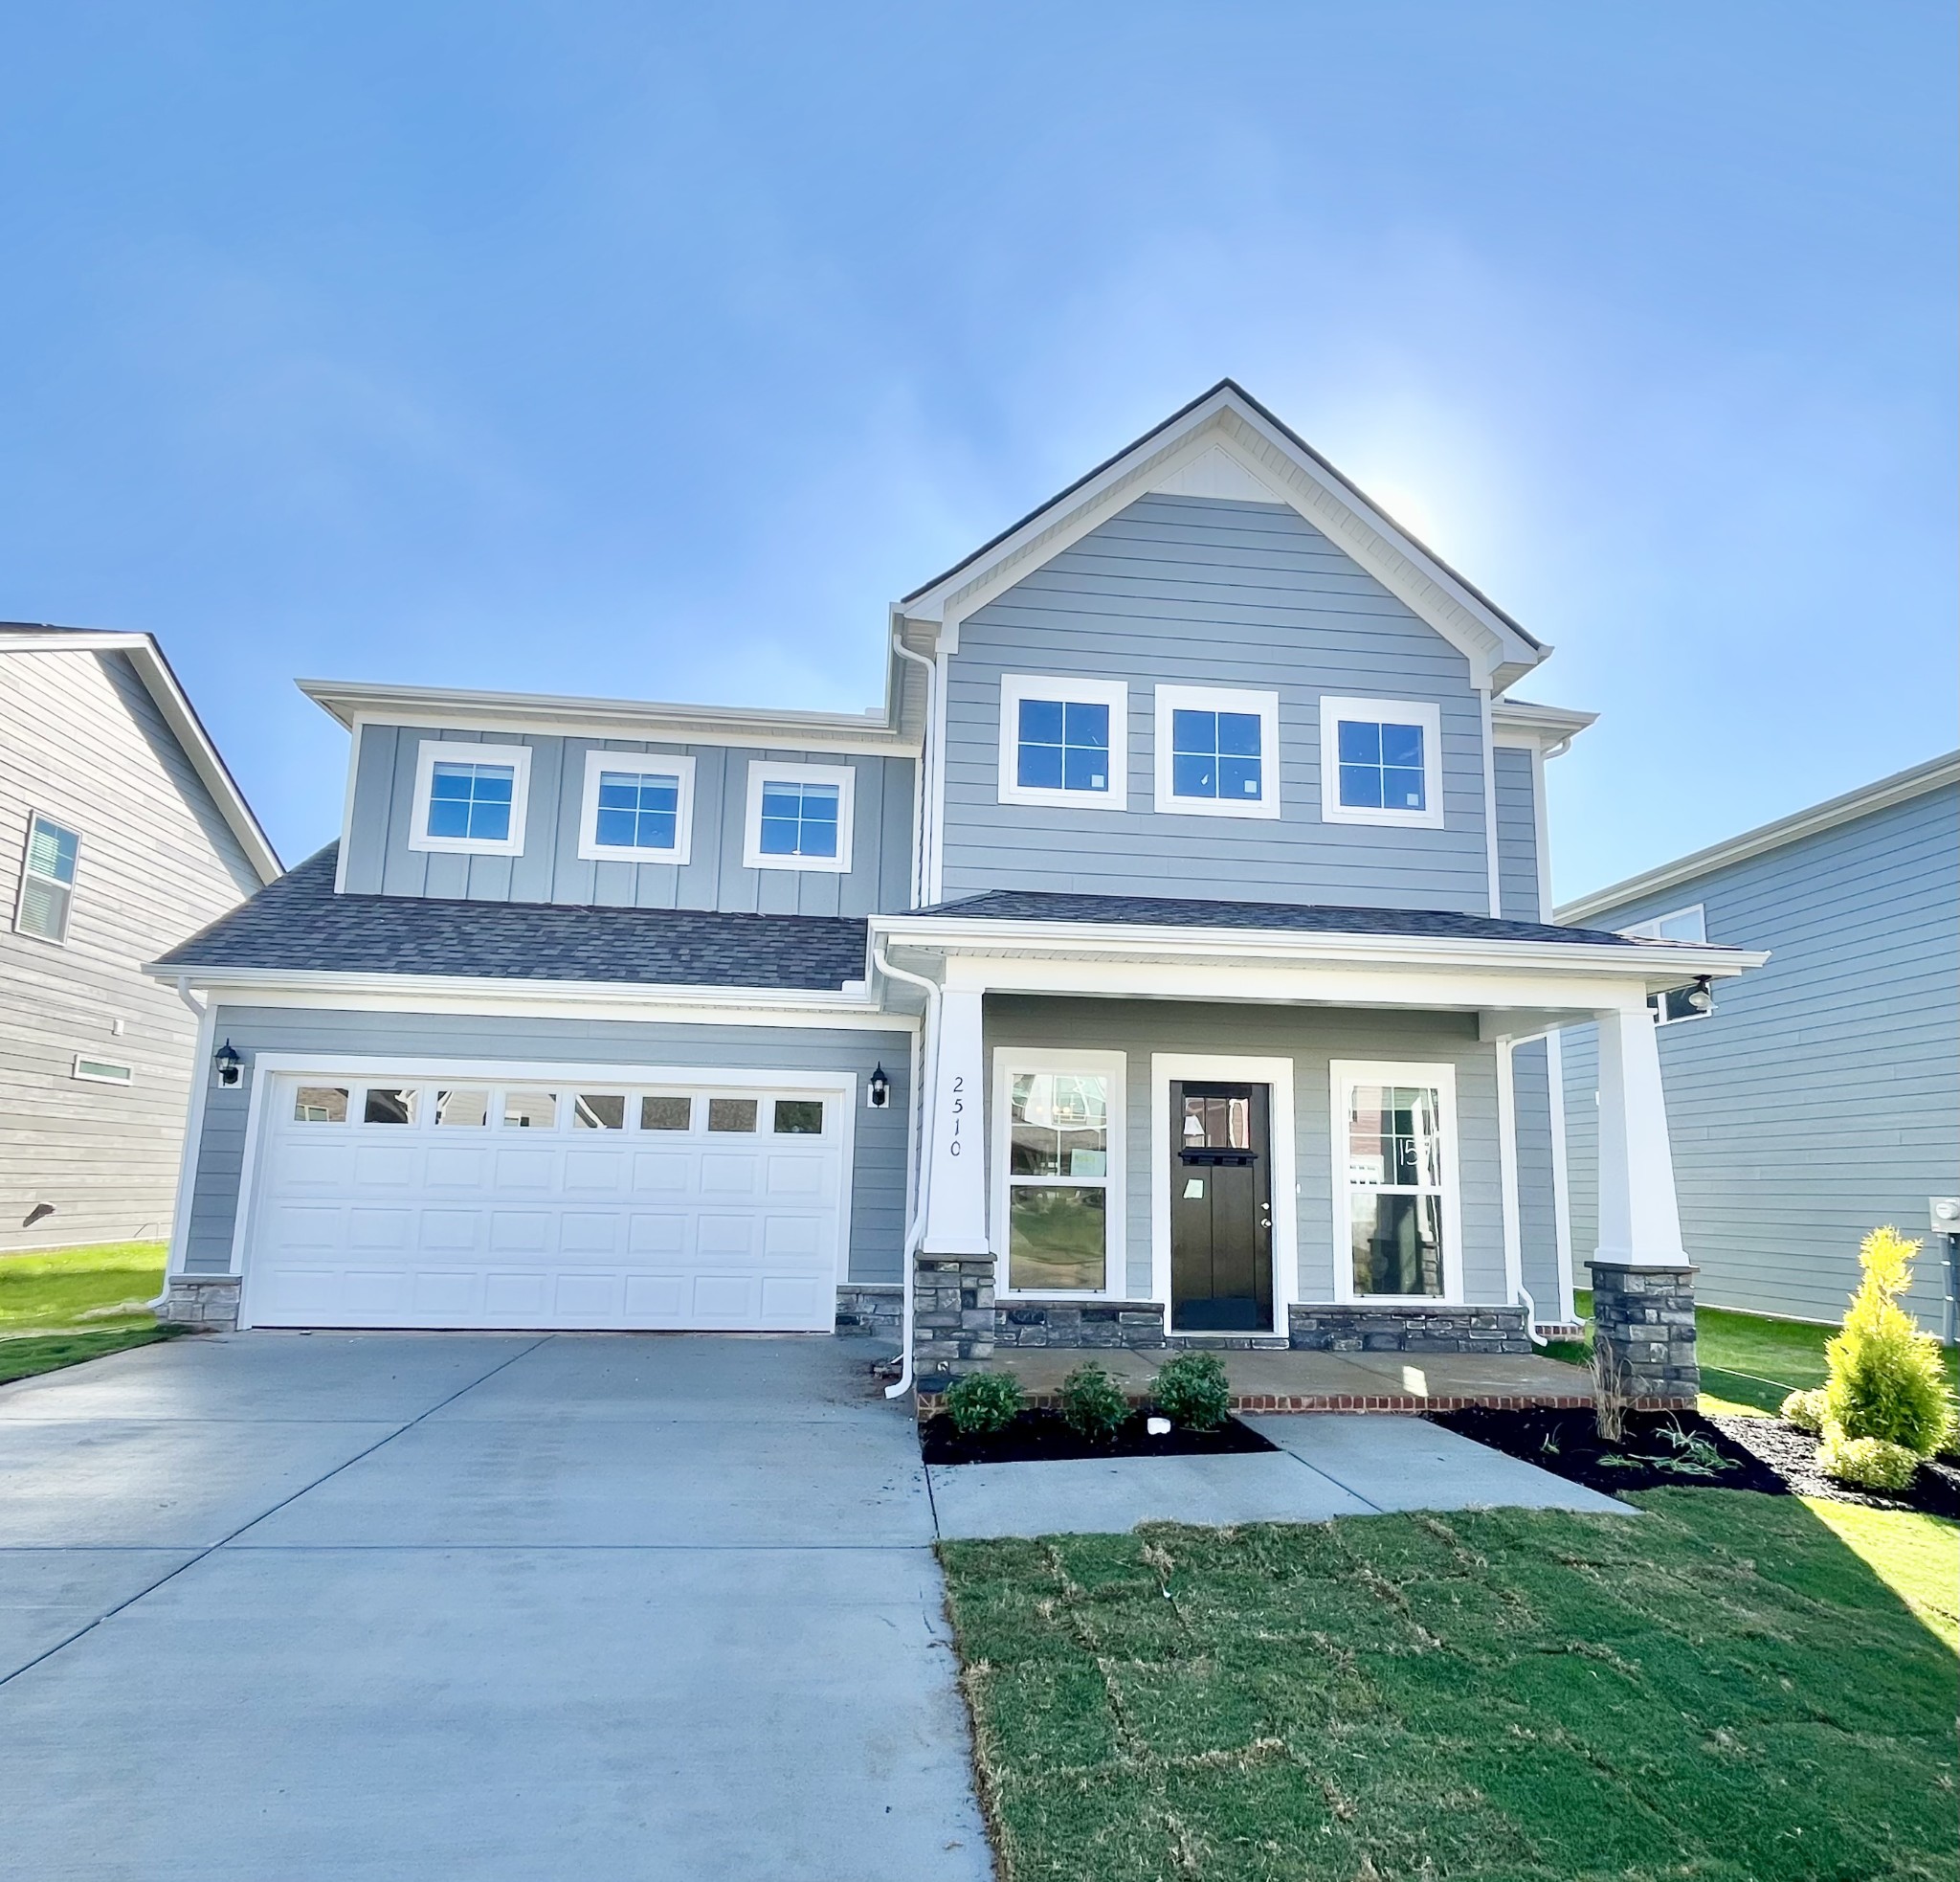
(474, 1606)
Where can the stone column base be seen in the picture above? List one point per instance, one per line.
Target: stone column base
(206, 1302)
(1644, 1316)
(952, 1314)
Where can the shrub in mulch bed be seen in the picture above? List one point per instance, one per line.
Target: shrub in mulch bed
(1687, 1449)
(1036, 1437)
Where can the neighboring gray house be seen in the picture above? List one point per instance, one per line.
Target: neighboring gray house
(1821, 1096)
(121, 832)
(1167, 959)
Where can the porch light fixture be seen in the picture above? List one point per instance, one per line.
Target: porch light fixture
(1700, 997)
(227, 1062)
(877, 1094)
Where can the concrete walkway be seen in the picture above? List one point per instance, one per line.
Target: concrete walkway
(457, 1607)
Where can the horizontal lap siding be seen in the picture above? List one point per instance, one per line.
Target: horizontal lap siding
(1517, 833)
(1311, 1036)
(1193, 592)
(1823, 1097)
(379, 860)
(878, 1181)
(82, 741)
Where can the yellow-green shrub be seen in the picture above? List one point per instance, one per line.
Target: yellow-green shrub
(1870, 1463)
(1886, 1381)
(1805, 1410)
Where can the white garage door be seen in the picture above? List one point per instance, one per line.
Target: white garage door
(448, 1202)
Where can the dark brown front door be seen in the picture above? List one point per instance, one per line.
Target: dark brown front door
(1221, 1208)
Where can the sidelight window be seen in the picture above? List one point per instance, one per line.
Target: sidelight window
(1059, 1158)
(1398, 1185)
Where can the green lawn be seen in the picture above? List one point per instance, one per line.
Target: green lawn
(1721, 1690)
(75, 1304)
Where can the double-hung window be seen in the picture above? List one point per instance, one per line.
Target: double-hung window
(470, 800)
(1059, 1164)
(800, 817)
(1063, 740)
(638, 808)
(1218, 751)
(47, 880)
(1397, 1228)
(1381, 762)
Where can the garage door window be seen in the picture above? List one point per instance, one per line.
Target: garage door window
(321, 1104)
(733, 1114)
(799, 1117)
(598, 1110)
(667, 1114)
(530, 1111)
(462, 1108)
(389, 1104)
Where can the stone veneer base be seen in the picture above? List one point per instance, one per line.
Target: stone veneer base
(206, 1302)
(1645, 1317)
(871, 1310)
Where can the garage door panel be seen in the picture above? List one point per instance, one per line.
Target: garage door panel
(359, 1223)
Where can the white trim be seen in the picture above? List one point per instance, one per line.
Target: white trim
(347, 841)
(1015, 687)
(27, 873)
(434, 751)
(1113, 1068)
(1278, 1075)
(1264, 705)
(1561, 1192)
(1547, 729)
(1422, 712)
(843, 776)
(1507, 1170)
(201, 1081)
(1934, 774)
(640, 764)
(82, 1059)
(1650, 929)
(1343, 1075)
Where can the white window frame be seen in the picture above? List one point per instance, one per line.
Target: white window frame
(1113, 1067)
(434, 751)
(762, 770)
(27, 874)
(642, 764)
(1264, 705)
(1421, 712)
(1651, 930)
(102, 1077)
(1343, 1075)
(1015, 687)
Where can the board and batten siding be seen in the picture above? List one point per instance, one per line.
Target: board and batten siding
(1822, 1097)
(379, 860)
(877, 1171)
(1312, 1038)
(82, 742)
(1194, 591)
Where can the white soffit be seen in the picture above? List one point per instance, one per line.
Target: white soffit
(1215, 473)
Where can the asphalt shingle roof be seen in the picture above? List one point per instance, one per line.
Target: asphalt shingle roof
(299, 922)
(1180, 911)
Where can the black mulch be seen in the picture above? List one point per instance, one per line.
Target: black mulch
(1657, 1451)
(1037, 1437)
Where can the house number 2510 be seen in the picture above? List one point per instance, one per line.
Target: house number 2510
(959, 1105)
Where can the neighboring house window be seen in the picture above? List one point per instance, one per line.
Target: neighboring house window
(1064, 741)
(102, 1071)
(47, 880)
(1381, 762)
(1058, 1162)
(470, 800)
(1396, 1209)
(1671, 1007)
(800, 817)
(1218, 751)
(637, 808)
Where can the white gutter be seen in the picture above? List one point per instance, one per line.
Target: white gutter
(920, 791)
(915, 1229)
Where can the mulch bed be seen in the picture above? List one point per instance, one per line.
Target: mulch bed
(1742, 1453)
(1042, 1436)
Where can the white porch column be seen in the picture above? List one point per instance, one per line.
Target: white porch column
(956, 1200)
(1640, 1222)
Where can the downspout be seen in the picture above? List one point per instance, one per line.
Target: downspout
(923, 793)
(193, 1135)
(915, 1229)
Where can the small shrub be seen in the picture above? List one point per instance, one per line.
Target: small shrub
(1193, 1391)
(1870, 1463)
(982, 1404)
(1805, 1410)
(1093, 1404)
(1886, 1380)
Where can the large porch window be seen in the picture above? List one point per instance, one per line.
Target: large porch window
(1396, 1202)
(1058, 1158)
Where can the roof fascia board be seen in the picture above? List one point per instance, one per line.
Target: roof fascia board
(1900, 788)
(1535, 727)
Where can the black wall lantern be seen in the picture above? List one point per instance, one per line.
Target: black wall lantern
(877, 1094)
(227, 1062)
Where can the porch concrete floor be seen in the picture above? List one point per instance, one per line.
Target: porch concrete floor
(1276, 1379)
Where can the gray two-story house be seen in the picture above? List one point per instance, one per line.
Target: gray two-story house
(1168, 959)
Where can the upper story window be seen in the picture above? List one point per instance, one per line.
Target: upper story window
(800, 817)
(1676, 1003)
(1064, 741)
(47, 880)
(470, 798)
(638, 808)
(1218, 751)
(1381, 762)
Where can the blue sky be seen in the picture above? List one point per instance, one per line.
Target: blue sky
(649, 350)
